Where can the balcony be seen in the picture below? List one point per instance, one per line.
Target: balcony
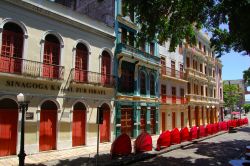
(165, 99)
(137, 54)
(196, 74)
(171, 73)
(30, 68)
(196, 51)
(88, 77)
(202, 99)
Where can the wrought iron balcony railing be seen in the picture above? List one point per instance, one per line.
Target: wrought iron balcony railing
(30, 68)
(88, 77)
(173, 73)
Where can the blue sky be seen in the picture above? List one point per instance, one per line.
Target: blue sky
(233, 65)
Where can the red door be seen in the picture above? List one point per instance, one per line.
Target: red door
(8, 131)
(182, 119)
(143, 119)
(47, 138)
(163, 121)
(11, 52)
(51, 60)
(197, 116)
(106, 67)
(105, 126)
(173, 120)
(78, 128)
(81, 63)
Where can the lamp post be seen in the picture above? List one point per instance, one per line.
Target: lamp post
(23, 106)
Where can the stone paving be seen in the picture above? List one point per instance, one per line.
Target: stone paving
(217, 150)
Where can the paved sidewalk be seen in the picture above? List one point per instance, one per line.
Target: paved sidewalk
(86, 154)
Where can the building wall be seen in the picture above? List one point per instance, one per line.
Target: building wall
(38, 21)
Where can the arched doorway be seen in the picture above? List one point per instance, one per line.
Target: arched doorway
(106, 68)
(51, 57)
(81, 63)
(48, 125)
(197, 119)
(79, 124)
(8, 127)
(12, 48)
(105, 126)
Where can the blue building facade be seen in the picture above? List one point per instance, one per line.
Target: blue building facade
(137, 69)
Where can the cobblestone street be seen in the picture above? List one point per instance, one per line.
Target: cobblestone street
(214, 151)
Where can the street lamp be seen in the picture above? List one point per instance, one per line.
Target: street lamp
(23, 106)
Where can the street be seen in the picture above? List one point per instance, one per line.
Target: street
(214, 151)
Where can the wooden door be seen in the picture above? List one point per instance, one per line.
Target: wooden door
(173, 68)
(197, 116)
(126, 121)
(48, 123)
(106, 68)
(105, 126)
(163, 121)
(173, 120)
(143, 118)
(152, 120)
(78, 127)
(8, 131)
(51, 60)
(182, 119)
(189, 116)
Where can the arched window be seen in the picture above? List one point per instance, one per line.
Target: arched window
(152, 85)
(143, 83)
(106, 68)
(51, 57)
(12, 48)
(81, 63)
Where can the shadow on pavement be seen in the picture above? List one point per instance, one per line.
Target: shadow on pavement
(205, 153)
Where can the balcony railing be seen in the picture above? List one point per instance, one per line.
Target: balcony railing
(88, 77)
(30, 68)
(123, 48)
(173, 99)
(173, 73)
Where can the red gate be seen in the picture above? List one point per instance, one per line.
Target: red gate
(47, 138)
(78, 127)
(8, 131)
(105, 126)
(126, 120)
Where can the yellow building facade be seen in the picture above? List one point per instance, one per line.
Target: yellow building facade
(204, 88)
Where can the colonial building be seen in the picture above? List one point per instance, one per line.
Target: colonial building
(173, 85)
(137, 68)
(204, 89)
(62, 61)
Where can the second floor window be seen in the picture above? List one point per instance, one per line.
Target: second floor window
(124, 36)
(188, 62)
(202, 89)
(189, 88)
(152, 85)
(163, 90)
(152, 48)
(201, 67)
(126, 83)
(143, 83)
(173, 91)
(182, 92)
(173, 68)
